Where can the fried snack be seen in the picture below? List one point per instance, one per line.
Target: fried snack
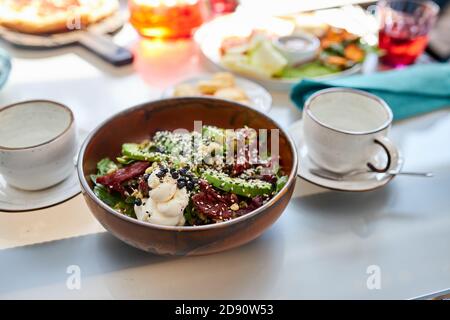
(209, 87)
(341, 49)
(225, 78)
(235, 94)
(337, 61)
(185, 90)
(336, 36)
(222, 85)
(354, 53)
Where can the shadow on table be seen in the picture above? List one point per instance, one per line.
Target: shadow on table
(45, 264)
(131, 273)
(245, 272)
(338, 212)
(405, 199)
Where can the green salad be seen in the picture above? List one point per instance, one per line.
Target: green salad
(256, 55)
(189, 178)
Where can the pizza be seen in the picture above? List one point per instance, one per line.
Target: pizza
(52, 16)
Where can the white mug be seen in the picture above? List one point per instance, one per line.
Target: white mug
(345, 128)
(37, 144)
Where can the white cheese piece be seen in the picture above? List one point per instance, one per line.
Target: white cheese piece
(166, 203)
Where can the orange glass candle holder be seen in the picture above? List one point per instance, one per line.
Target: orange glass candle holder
(166, 19)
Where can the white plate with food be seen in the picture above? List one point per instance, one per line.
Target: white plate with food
(250, 47)
(223, 85)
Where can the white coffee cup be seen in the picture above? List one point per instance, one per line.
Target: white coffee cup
(345, 128)
(37, 144)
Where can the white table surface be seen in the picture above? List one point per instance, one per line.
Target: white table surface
(321, 246)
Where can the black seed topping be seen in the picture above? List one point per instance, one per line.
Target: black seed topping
(137, 202)
(190, 186)
(181, 184)
(160, 174)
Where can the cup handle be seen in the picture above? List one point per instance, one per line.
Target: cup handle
(391, 152)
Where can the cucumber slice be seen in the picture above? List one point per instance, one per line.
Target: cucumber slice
(249, 189)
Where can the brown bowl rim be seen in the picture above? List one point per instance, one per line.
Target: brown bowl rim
(85, 186)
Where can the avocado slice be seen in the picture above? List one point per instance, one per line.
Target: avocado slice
(245, 188)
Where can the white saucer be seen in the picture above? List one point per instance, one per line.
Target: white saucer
(260, 98)
(12, 199)
(355, 183)
(16, 200)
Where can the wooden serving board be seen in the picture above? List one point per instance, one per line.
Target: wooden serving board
(95, 38)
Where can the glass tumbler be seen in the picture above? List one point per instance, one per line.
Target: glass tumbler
(404, 28)
(166, 19)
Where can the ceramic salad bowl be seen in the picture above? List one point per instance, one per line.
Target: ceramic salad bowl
(141, 122)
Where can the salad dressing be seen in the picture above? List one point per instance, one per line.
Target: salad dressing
(165, 204)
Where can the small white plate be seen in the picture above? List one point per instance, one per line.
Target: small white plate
(354, 183)
(16, 200)
(260, 98)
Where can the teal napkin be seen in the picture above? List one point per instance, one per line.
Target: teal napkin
(410, 91)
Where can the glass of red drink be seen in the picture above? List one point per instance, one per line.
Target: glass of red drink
(404, 29)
